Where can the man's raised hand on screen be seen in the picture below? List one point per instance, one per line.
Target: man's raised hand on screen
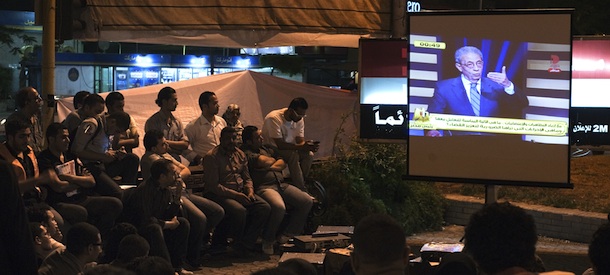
(500, 78)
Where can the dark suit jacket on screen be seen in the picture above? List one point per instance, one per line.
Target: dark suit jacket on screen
(450, 98)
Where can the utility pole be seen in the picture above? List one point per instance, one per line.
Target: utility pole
(48, 61)
(399, 19)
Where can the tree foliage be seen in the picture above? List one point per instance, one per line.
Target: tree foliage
(10, 36)
(14, 40)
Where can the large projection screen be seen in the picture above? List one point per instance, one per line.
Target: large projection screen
(512, 126)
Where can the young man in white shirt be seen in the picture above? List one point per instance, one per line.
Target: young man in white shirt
(204, 132)
(284, 129)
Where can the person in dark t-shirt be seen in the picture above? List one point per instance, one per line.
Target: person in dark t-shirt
(74, 203)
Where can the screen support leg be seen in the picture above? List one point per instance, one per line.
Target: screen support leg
(491, 193)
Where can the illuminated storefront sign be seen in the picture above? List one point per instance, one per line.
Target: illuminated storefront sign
(413, 6)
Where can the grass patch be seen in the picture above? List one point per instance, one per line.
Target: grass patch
(590, 176)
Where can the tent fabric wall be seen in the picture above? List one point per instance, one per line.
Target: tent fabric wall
(257, 94)
(236, 23)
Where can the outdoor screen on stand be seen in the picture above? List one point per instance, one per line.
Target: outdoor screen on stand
(489, 97)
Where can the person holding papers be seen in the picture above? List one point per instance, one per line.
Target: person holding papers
(75, 203)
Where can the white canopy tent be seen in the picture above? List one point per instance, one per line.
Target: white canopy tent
(240, 24)
(257, 94)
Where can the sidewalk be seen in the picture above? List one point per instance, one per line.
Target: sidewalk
(224, 264)
(453, 234)
(556, 254)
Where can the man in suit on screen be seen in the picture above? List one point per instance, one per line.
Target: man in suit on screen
(472, 94)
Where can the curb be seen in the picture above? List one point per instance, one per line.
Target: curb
(566, 224)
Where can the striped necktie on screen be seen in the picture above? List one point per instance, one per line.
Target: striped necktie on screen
(475, 98)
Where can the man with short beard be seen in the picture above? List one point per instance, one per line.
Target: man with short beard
(165, 121)
(30, 103)
(229, 184)
(204, 131)
(74, 203)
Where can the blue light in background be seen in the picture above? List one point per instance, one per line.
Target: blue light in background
(144, 61)
(198, 62)
(502, 56)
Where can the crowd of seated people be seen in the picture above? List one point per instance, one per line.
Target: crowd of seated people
(71, 181)
(79, 220)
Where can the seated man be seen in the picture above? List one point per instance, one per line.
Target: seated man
(599, 251)
(284, 129)
(204, 132)
(153, 265)
(14, 232)
(83, 246)
(74, 118)
(157, 148)
(41, 213)
(29, 103)
(380, 246)
(130, 247)
(91, 145)
(154, 208)
(20, 155)
(501, 238)
(115, 102)
(265, 167)
(43, 243)
(228, 182)
(73, 203)
(202, 213)
(113, 239)
(93, 106)
(165, 121)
